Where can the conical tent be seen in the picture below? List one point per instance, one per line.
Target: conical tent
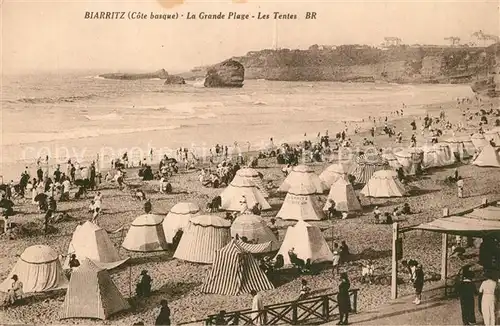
(90, 241)
(307, 242)
(178, 219)
(342, 193)
(234, 272)
(384, 183)
(254, 229)
(493, 136)
(238, 188)
(39, 269)
(204, 235)
(146, 234)
(302, 174)
(333, 173)
(92, 294)
(479, 141)
(488, 157)
(366, 165)
(253, 175)
(301, 204)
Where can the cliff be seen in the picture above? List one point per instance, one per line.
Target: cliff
(161, 74)
(229, 73)
(402, 64)
(489, 85)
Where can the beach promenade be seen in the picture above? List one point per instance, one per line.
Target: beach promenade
(434, 310)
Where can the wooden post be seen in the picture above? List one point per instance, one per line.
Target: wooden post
(130, 281)
(444, 253)
(326, 308)
(394, 276)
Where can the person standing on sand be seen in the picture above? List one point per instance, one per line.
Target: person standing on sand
(336, 258)
(487, 291)
(418, 283)
(163, 318)
(343, 299)
(466, 291)
(257, 306)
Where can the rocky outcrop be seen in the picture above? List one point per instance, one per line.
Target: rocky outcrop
(489, 85)
(174, 80)
(229, 73)
(161, 74)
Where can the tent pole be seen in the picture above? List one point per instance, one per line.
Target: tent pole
(444, 253)
(130, 281)
(394, 275)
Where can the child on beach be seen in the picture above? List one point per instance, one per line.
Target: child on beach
(336, 258)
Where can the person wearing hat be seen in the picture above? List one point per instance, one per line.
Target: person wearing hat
(15, 292)
(243, 203)
(143, 287)
(343, 299)
(466, 291)
(418, 283)
(164, 315)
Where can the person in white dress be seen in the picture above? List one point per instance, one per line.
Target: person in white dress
(257, 305)
(487, 289)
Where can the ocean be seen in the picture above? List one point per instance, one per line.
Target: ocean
(78, 116)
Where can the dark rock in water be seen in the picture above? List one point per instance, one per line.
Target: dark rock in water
(174, 80)
(162, 74)
(229, 73)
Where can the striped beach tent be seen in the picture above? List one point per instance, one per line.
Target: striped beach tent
(91, 241)
(301, 204)
(92, 294)
(234, 272)
(365, 165)
(39, 269)
(303, 174)
(146, 234)
(384, 183)
(257, 248)
(178, 218)
(253, 175)
(342, 193)
(333, 173)
(204, 235)
(254, 229)
(307, 242)
(239, 188)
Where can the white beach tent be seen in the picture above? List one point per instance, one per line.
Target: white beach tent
(303, 174)
(91, 241)
(447, 153)
(308, 243)
(92, 294)
(384, 183)
(301, 203)
(391, 160)
(238, 188)
(342, 193)
(254, 229)
(253, 175)
(204, 235)
(333, 173)
(462, 147)
(479, 141)
(410, 160)
(487, 157)
(178, 218)
(436, 156)
(234, 272)
(146, 234)
(492, 135)
(39, 269)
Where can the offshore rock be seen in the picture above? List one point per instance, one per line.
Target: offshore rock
(174, 80)
(229, 73)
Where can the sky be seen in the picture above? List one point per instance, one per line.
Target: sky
(53, 35)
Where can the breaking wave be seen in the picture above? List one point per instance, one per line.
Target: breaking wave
(45, 100)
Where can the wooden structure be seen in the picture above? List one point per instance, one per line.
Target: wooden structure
(397, 247)
(318, 309)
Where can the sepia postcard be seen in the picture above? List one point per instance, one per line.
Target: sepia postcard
(250, 162)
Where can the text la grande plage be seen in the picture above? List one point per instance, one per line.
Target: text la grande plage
(240, 16)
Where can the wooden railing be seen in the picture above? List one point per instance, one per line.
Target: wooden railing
(319, 309)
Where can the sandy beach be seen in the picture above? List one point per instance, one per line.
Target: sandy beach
(179, 282)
